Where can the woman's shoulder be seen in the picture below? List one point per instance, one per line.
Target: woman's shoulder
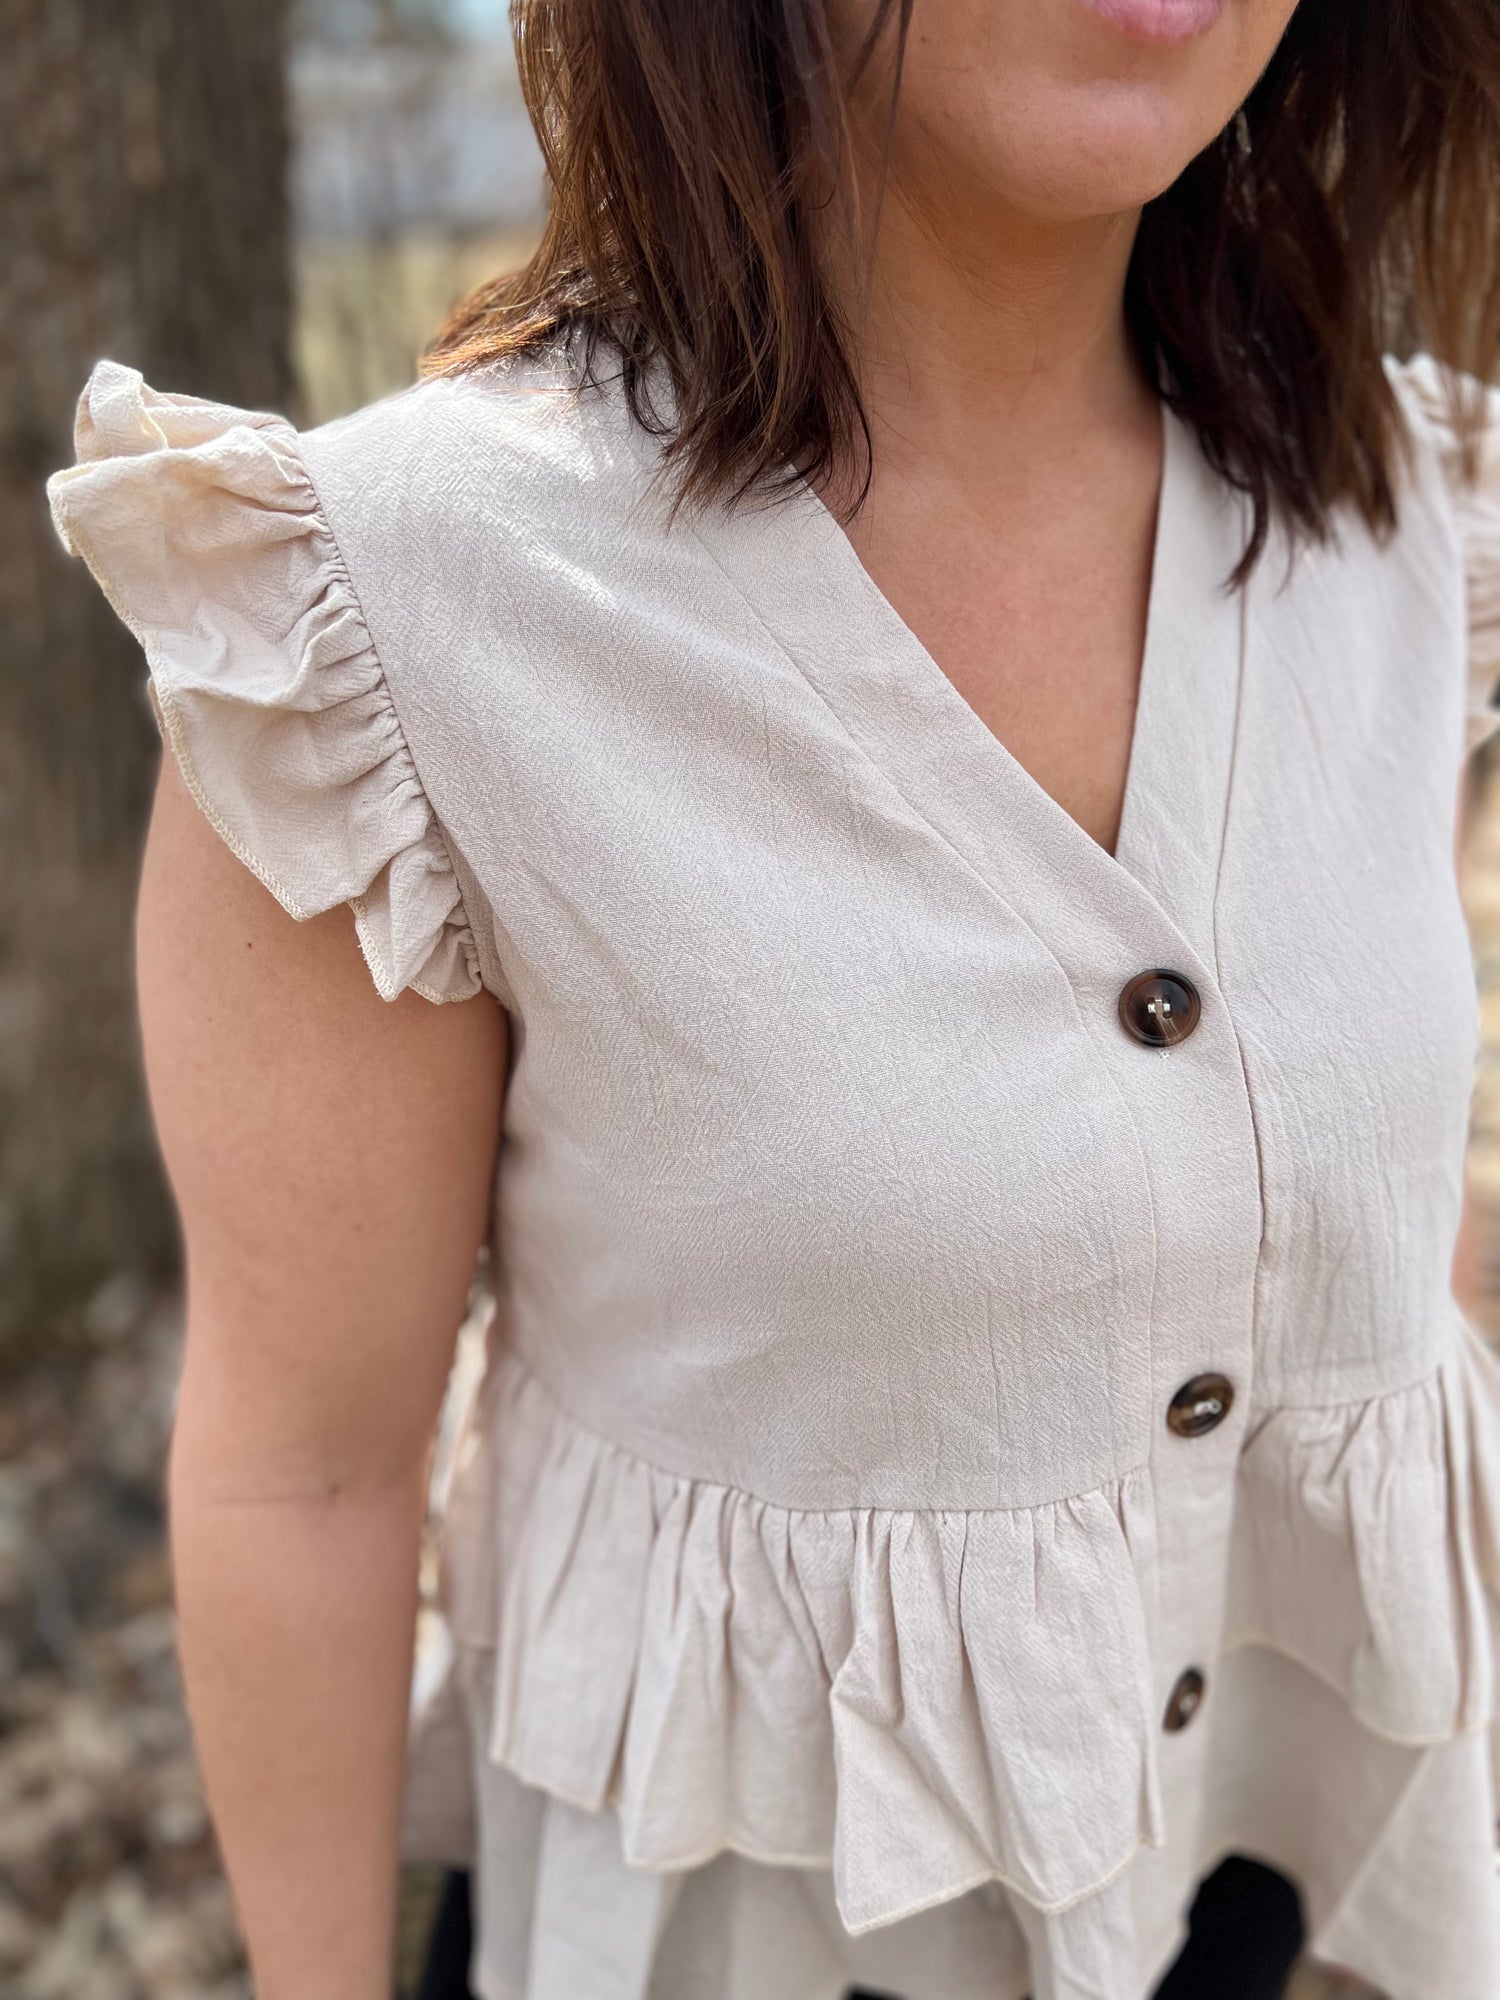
(333, 617)
(1431, 394)
(460, 463)
(415, 489)
(312, 604)
(1452, 429)
(1451, 435)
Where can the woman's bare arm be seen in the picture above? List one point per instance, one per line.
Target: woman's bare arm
(332, 1156)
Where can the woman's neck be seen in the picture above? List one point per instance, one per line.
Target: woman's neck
(1017, 462)
(982, 335)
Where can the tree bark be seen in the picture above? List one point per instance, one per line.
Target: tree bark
(143, 215)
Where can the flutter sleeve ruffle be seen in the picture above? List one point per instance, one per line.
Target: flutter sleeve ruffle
(201, 525)
(1421, 385)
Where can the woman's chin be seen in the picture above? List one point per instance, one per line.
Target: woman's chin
(1107, 151)
(1079, 108)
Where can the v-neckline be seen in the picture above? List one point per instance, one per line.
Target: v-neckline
(968, 718)
(792, 563)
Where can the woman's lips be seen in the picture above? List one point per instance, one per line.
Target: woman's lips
(1166, 21)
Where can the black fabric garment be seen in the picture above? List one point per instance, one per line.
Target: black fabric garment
(445, 1976)
(1244, 1936)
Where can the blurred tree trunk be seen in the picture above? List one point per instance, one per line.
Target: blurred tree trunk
(143, 215)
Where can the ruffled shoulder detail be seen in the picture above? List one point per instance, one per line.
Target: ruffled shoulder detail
(1421, 385)
(203, 529)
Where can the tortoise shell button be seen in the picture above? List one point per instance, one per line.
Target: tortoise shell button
(1160, 1008)
(1200, 1405)
(1185, 1700)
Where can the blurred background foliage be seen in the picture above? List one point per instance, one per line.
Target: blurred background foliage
(415, 174)
(272, 203)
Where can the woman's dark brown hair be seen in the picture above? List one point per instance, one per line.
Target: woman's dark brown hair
(1351, 206)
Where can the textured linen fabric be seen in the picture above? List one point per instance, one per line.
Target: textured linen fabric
(819, 1561)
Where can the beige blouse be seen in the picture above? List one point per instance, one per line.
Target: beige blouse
(948, 1469)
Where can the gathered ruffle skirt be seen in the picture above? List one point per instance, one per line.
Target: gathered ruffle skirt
(695, 1744)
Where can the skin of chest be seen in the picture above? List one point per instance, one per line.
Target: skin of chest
(1029, 586)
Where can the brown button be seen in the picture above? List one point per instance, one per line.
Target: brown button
(1160, 1008)
(1200, 1405)
(1185, 1700)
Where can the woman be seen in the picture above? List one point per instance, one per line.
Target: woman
(909, 678)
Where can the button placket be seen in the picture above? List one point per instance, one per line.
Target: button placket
(1197, 1408)
(1194, 1108)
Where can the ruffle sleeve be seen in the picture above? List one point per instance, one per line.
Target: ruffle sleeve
(202, 527)
(1422, 388)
